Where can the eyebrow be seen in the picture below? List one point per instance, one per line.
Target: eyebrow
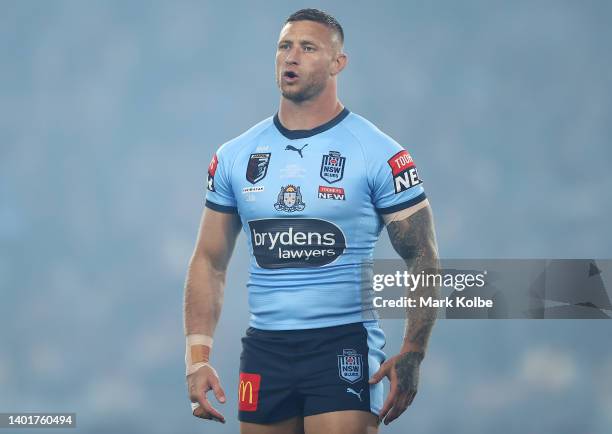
(302, 42)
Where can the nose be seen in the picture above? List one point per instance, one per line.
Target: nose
(293, 56)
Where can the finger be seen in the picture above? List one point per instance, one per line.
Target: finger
(199, 412)
(216, 419)
(209, 409)
(393, 414)
(388, 402)
(379, 375)
(197, 393)
(219, 393)
(393, 391)
(204, 414)
(399, 406)
(411, 397)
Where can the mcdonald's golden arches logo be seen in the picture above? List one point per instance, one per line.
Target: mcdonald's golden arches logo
(248, 391)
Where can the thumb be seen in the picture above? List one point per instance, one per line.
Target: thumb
(218, 390)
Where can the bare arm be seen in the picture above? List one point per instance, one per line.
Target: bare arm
(203, 300)
(413, 238)
(206, 274)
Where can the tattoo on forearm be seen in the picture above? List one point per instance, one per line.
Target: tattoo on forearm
(419, 330)
(414, 240)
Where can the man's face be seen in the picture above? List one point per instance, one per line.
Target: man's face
(305, 59)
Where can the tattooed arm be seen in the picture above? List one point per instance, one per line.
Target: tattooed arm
(412, 235)
(414, 239)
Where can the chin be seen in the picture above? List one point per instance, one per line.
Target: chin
(295, 96)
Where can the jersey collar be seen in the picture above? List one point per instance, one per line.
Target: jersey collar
(302, 134)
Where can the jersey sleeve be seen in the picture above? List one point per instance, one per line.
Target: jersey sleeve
(395, 181)
(219, 195)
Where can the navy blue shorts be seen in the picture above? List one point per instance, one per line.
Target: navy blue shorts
(291, 373)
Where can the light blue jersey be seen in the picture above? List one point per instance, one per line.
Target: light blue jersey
(311, 202)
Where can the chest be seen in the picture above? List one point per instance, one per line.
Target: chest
(297, 178)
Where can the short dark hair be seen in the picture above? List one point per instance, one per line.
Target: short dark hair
(318, 16)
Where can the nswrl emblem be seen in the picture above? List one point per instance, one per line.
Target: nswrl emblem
(332, 167)
(350, 366)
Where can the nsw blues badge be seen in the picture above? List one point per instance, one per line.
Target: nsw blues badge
(332, 167)
(257, 167)
(350, 366)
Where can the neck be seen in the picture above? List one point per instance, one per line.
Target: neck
(307, 115)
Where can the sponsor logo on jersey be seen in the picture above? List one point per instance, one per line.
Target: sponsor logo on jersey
(257, 167)
(212, 168)
(354, 392)
(289, 199)
(258, 189)
(404, 171)
(331, 193)
(332, 167)
(292, 171)
(298, 150)
(248, 391)
(350, 366)
(295, 242)
(248, 192)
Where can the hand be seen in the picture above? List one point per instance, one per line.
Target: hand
(198, 384)
(403, 373)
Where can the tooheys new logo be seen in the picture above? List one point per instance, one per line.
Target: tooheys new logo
(301, 243)
(404, 172)
(212, 168)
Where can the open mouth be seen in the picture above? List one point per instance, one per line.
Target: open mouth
(290, 74)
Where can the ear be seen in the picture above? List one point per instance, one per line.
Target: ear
(338, 63)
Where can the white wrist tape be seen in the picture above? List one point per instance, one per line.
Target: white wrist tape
(192, 368)
(195, 355)
(199, 340)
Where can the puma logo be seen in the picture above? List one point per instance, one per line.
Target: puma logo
(358, 394)
(293, 148)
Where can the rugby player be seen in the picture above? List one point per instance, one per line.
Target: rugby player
(312, 187)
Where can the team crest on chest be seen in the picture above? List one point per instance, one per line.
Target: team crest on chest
(332, 167)
(350, 366)
(257, 167)
(289, 199)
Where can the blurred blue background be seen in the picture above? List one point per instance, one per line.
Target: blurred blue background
(110, 112)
